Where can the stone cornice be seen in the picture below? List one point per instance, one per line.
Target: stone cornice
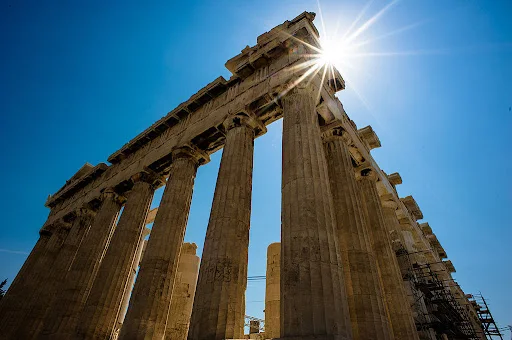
(426, 229)
(449, 266)
(412, 207)
(71, 188)
(395, 178)
(197, 122)
(369, 137)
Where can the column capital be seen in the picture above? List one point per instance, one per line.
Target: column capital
(244, 119)
(188, 151)
(293, 86)
(335, 131)
(148, 176)
(111, 193)
(388, 202)
(366, 172)
(57, 225)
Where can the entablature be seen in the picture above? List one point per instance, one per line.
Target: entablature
(395, 178)
(412, 207)
(369, 137)
(198, 123)
(449, 266)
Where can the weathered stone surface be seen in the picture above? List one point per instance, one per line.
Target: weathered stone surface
(313, 299)
(149, 307)
(62, 316)
(366, 303)
(17, 291)
(196, 121)
(219, 307)
(183, 294)
(395, 297)
(99, 316)
(131, 282)
(38, 276)
(51, 285)
(272, 291)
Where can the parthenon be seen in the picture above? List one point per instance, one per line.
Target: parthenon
(353, 261)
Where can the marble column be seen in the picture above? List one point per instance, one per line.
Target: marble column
(131, 282)
(183, 292)
(272, 291)
(98, 318)
(395, 296)
(149, 305)
(17, 291)
(366, 302)
(219, 307)
(16, 287)
(32, 322)
(62, 316)
(38, 276)
(313, 299)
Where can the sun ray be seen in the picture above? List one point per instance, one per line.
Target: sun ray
(324, 31)
(302, 42)
(389, 34)
(371, 21)
(400, 53)
(358, 18)
(298, 81)
(321, 82)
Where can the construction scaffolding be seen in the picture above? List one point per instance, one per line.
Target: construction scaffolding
(489, 326)
(436, 308)
(448, 316)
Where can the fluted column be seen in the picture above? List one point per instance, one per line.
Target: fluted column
(149, 305)
(272, 291)
(62, 316)
(313, 299)
(395, 296)
(44, 293)
(183, 292)
(99, 316)
(16, 289)
(37, 277)
(366, 303)
(131, 282)
(219, 306)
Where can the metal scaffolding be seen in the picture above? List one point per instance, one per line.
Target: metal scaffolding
(489, 326)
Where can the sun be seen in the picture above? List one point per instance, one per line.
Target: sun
(335, 51)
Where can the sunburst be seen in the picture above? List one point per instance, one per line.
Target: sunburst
(344, 51)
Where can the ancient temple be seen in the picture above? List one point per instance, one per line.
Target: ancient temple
(353, 261)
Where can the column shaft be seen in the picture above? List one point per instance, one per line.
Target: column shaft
(313, 300)
(16, 290)
(183, 293)
(62, 316)
(38, 276)
(366, 303)
(395, 297)
(99, 316)
(43, 295)
(149, 305)
(131, 282)
(219, 306)
(272, 292)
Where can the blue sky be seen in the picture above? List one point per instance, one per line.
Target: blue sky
(79, 80)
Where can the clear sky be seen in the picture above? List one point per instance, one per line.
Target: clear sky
(434, 80)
